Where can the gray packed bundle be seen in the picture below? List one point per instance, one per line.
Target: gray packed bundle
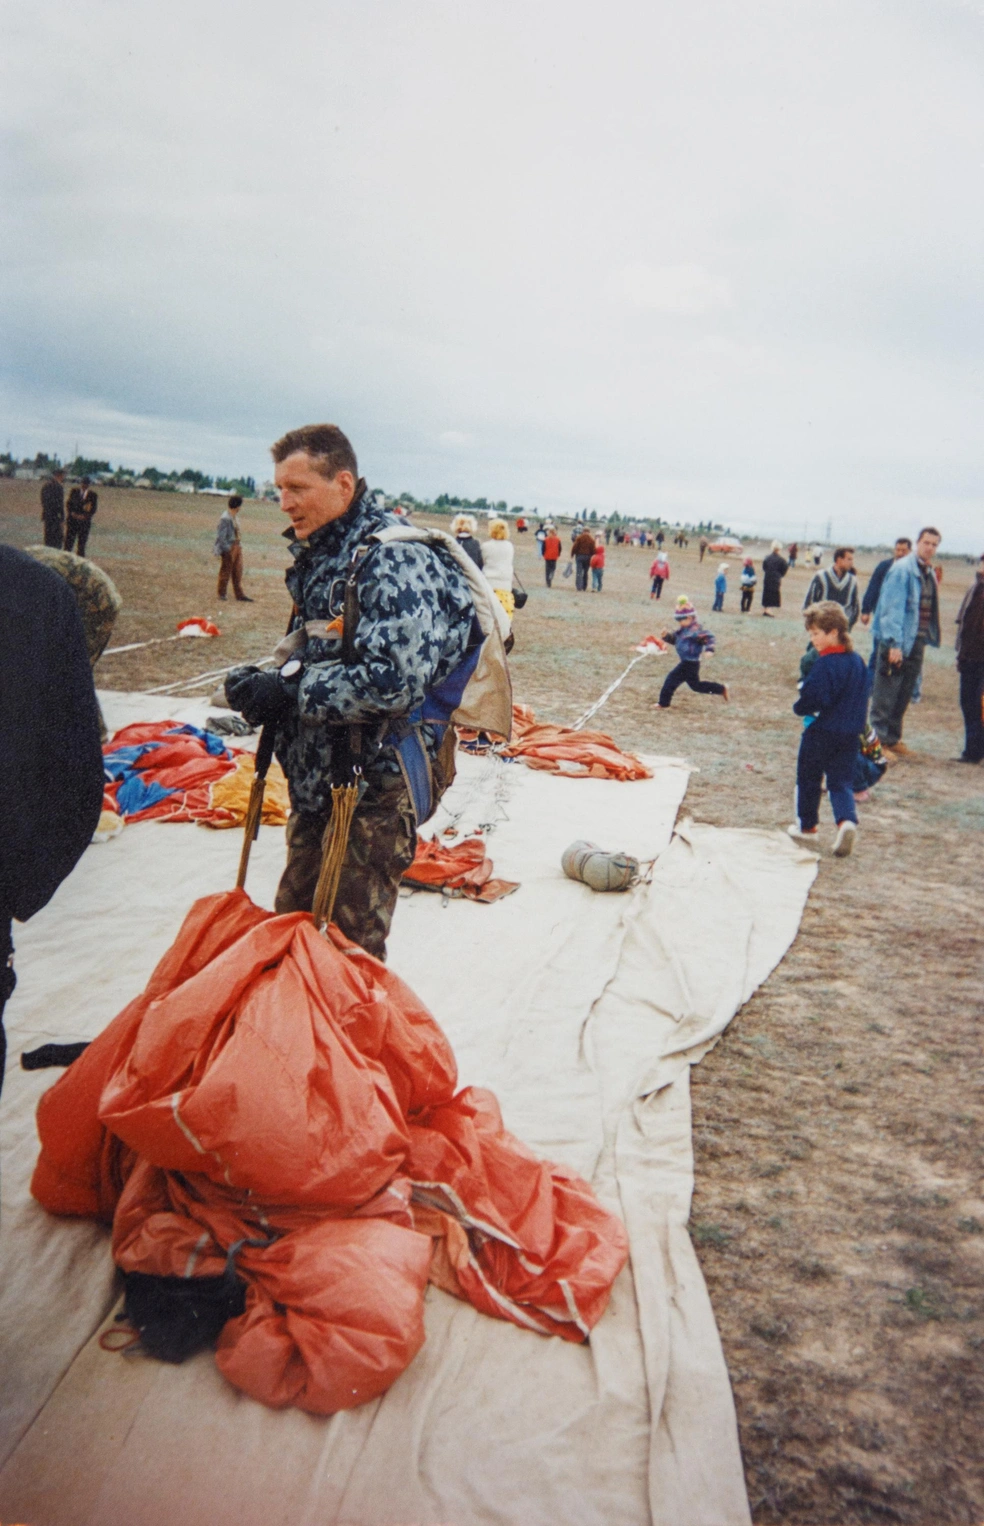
(586, 862)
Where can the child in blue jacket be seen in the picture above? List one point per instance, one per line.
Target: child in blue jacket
(692, 643)
(834, 698)
(720, 587)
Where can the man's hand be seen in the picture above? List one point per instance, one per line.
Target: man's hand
(894, 656)
(259, 697)
(865, 619)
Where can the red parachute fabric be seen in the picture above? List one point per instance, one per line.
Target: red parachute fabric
(561, 750)
(285, 1089)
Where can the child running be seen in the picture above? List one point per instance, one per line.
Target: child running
(834, 699)
(692, 643)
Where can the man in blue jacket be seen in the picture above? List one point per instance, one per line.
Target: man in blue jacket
(907, 620)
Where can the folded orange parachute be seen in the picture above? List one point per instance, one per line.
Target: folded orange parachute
(579, 754)
(282, 1092)
(457, 869)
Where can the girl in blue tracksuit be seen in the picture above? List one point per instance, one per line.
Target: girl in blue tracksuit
(834, 700)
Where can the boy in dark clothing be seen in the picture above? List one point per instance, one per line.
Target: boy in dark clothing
(692, 643)
(834, 700)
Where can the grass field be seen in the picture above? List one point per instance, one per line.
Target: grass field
(838, 1124)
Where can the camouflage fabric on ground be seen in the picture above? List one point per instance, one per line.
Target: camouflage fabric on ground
(98, 597)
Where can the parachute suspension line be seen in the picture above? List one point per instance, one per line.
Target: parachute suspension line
(344, 799)
(593, 709)
(203, 678)
(484, 797)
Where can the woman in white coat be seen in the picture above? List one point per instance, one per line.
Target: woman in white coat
(497, 559)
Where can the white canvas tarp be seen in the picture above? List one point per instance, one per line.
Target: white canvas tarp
(583, 1013)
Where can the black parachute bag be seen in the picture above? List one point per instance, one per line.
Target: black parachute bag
(176, 1317)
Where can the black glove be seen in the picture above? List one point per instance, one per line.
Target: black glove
(259, 697)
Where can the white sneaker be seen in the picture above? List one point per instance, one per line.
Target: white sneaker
(844, 841)
(797, 832)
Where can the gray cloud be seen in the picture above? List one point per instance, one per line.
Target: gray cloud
(715, 259)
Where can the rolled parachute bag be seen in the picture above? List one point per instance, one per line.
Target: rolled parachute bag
(599, 870)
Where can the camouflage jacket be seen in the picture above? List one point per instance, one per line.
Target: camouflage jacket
(415, 622)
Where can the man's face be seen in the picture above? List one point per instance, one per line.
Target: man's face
(844, 563)
(311, 499)
(902, 548)
(926, 547)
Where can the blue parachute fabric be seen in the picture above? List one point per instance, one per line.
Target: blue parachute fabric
(442, 701)
(135, 795)
(119, 764)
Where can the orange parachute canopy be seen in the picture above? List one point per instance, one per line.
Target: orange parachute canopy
(282, 1093)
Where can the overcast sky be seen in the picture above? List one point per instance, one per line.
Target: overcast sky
(699, 259)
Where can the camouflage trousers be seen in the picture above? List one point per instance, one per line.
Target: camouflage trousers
(382, 844)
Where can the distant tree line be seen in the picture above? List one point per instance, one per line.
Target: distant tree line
(124, 476)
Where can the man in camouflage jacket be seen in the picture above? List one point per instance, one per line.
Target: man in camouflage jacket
(415, 624)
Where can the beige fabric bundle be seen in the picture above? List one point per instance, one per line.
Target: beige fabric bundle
(586, 862)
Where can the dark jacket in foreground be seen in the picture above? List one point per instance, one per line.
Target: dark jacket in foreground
(415, 622)
(836, 691)
(50, 757)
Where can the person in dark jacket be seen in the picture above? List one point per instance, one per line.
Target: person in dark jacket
(416, 623)
(83, 502)
(970, 666)
(834, 700)
(692, 642)
(837, 584)
(463, 528)
(50, 758)
(582, 550)
(870, 601)
(774, 569)
(53, 509)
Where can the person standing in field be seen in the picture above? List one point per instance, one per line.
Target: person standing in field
(229, 548)
(692, 643)
(463, 528)
(870, 601)
(702, 544)
(793, 554)
(748, 581)
(970, 666)
(834, 702)
(774, 569)
(598, 565)
(907, 620)
(659, 572)
(720, 587)
(582, 551)
(413, 627)
(53, 509)
(82, 504)
(837, 584)
(551, 554)
(498, 554)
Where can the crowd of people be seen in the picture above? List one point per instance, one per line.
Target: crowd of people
(386, 630)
